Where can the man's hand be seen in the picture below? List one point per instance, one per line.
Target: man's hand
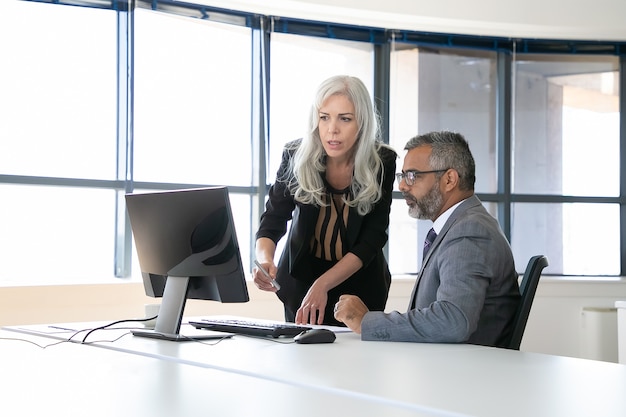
(350, 311)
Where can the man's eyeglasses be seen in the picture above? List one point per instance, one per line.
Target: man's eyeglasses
(410, 176)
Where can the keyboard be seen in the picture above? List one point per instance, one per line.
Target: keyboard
(250, 327)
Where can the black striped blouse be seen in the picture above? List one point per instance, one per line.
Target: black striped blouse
(330, 231)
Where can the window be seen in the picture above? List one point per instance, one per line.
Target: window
(57, 108)
(57, 119)
(566, 143)
(578, 238)
(56, 235)
(553, 179)
(566, 126)
(443, 90)
(192, 101)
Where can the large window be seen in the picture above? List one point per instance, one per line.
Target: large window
(544, 127)
(192, 101)
(444, 90)
(57, 119)
(193, 112)
(57, 100)
(566, 142)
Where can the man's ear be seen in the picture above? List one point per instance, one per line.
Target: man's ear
(450, 179)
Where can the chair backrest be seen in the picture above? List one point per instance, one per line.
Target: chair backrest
(527, 288)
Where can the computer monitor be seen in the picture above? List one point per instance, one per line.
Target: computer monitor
(187, 248)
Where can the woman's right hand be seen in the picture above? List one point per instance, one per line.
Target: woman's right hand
(265, 249)
(261, 280)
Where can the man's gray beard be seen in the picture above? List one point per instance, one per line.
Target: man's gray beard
(428, 206)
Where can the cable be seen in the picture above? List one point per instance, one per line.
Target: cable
(33, 343)
(107, 341)
(108, 327)
(113, 324)
(203, 342)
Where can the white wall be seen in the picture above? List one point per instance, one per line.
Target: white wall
(571, 317)
(110, 302)
(553, 19)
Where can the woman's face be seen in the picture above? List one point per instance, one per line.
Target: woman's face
(338, 126)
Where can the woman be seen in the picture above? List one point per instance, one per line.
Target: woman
(335, 186)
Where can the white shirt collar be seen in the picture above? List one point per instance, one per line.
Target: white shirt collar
(441, 220)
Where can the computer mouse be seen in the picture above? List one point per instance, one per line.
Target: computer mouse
(315, 336)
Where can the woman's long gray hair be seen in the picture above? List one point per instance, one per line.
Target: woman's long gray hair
(308, 165)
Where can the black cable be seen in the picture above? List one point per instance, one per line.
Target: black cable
(107, 341)
(113, 324)
(107, 327)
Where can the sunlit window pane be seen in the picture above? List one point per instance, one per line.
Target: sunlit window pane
(577, 238)
(56, 235)
(192, 101)
(57, 91)
(405, 235)
(446, 90)
(566, 138)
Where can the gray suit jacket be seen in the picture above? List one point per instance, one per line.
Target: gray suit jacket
(466, 290)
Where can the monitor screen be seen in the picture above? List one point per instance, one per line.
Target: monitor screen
(187, 248)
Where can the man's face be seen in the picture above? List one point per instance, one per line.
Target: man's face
(424, 196)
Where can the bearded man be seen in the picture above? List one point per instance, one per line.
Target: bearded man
(467, 288)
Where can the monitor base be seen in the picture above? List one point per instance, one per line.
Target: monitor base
(184, 336)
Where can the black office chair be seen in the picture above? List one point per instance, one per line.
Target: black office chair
(527, 288)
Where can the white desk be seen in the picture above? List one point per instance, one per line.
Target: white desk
(425, 378)
(75, 380)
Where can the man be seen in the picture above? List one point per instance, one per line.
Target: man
(466, 290)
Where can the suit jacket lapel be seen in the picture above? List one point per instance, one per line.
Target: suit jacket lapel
(470, 202)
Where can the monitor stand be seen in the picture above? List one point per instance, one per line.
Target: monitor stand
(171, 315)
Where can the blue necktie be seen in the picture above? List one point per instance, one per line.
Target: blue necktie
(430, 238)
